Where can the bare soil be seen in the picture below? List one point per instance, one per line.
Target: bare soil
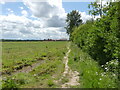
(68, 73)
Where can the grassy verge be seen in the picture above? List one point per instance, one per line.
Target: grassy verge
(91, 74)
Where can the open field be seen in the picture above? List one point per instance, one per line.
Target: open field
(60, 44)
(52, 64)
(45, 57)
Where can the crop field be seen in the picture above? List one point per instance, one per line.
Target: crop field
(32, 64)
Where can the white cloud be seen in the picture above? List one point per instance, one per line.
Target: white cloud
(9, 10)
(21, 8)
(2, 2)
(49, 11)
(20, 27)
(48, 21)
(46, 9)
(55, 21)
(24, 13)
(86, 17)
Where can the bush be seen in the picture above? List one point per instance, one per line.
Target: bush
(101, 38)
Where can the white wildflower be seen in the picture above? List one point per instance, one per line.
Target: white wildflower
(107, 63)
(100, 79)
(102, 74)
(96, 73)
(114, 75)
(111, 62)
(35, 75)
(102, 66)
(106, 68)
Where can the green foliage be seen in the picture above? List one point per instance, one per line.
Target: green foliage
(73, 20)
(112, 66)
(97, 8)
(91, 74)
(101, 38)
(50, 83)
(9, 83)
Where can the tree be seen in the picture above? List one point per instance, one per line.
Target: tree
(101, 39)
(73, 20)
(98, 8)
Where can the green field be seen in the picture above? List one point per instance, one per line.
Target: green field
(18, 55)
(42, 65)
(90, 59)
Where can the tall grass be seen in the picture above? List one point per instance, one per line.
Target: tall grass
(91, 74)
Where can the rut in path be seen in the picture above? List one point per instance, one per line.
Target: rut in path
(73, 75)
(27, 69)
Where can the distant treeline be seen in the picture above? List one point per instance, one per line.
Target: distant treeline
(13, 40)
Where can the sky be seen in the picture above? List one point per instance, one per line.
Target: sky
(38, 20)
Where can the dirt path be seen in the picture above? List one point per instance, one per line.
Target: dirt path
(68, 73)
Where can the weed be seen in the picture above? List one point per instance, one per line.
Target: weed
(50, 83)
(64, 80)
(9, 83)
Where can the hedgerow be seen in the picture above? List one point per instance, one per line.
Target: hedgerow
(101, 38)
